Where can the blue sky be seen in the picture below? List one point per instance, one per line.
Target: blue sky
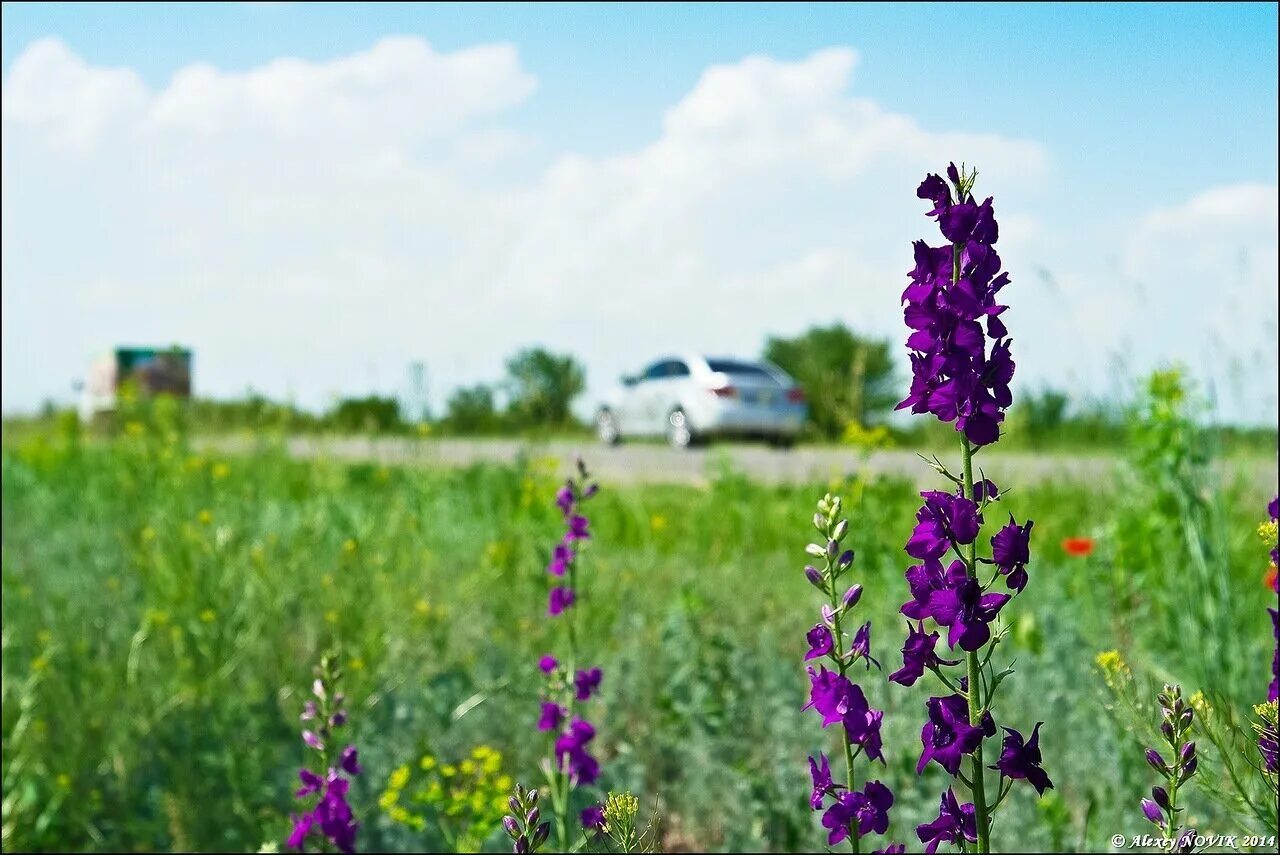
(1134, 112)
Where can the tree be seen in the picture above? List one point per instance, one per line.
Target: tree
(846, 378)
(470, 409)
(542, 385)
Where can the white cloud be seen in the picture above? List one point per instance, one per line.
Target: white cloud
(312, 227)
(55, 91)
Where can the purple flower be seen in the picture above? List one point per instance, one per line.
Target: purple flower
(587, 682)
(577, 528)
(829, 694)
(891, 849)
(1019, 759)
(547, 664)
(838, 700)
(839, 817)
(310, 737)
(966, 611)
(349, 761)
(822, 783)
(301, 828)
(947, 736)
(592, 817)
(820, 642)
(924, 579)
(565, 499)
(1152, 812)
(331, 814)
(870, 808)
(985, 491)
(552, 715)
(861, 646)
(955, 824)
(559, 599)
(944, 520)
(1011, 550)
(917, 655)
(571, 751)
(311, 783)
(308, 711)
(561, 557)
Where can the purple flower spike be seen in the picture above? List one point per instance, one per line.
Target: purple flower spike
(547, 664)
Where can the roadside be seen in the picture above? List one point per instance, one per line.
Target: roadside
(654, 463)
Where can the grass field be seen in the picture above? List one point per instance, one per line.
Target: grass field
(163, 608)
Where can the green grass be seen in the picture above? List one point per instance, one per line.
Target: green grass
(162, 612)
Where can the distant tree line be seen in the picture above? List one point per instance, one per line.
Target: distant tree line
(850, 382)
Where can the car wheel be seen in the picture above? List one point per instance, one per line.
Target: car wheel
(607, 428)
(679, 435)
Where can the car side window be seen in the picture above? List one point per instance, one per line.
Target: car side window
(676, 368)
(656, 371)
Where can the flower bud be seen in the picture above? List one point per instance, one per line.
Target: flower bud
(845, 559)
(833, 549)
(1156, 761)
(852, 596)
(820, 522)
(814, 577)
(1160, 797)
(532, 817)
(1152, 812)
(841, 529)
(522, 845)
(540, 835)
(1167, 730)
(514, 801)
(1187, 715)
(532, 798)
(1189, 768)
(317, 688)
(815, 550)
(511, 826)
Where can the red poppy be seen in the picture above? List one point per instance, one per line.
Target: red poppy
(1078, 547)
(1270, 579)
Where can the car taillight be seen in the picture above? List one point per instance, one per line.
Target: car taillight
(725, 392)
(796, 395)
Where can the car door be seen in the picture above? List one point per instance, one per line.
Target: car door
(636, 410)
(663, 392)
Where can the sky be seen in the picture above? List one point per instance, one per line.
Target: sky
(315, 197)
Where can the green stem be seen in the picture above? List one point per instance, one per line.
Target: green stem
(975, 676)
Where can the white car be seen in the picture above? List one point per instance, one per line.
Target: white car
(687, 398)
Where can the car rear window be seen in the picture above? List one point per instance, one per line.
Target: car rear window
(742, 369)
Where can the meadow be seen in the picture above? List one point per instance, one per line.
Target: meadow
(163, 608)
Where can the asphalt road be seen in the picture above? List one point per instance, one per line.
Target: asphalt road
(654, 463)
